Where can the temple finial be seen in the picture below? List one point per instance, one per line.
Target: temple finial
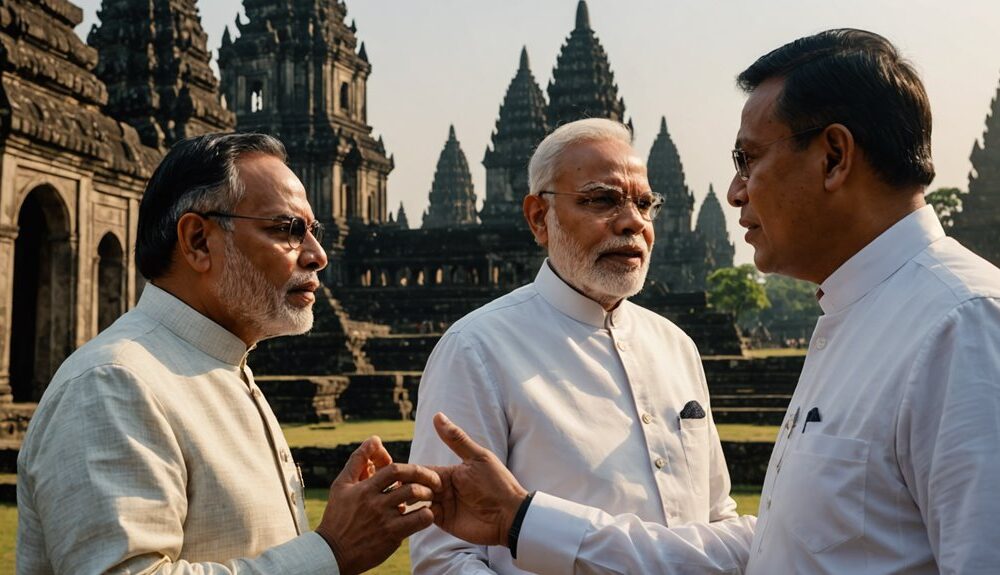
(582, 16)
(524, 65)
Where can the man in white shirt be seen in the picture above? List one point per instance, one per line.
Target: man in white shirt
(153, 450)
(888, 457)
(582, 393)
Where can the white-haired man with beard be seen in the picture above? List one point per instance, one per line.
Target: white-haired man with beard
(578, 391)
(153, 450)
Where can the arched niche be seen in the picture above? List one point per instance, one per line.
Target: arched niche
(111, 280)
(43, 314)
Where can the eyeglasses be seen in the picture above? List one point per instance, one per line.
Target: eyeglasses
(742, 163)
(294, 226)
(608, 202)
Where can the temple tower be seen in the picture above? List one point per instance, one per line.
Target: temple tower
(677, 259)
(520, 127)
(666, 177)
(155, 61)
(711, 229)
(70, 182)
(296, 71)
(583, 85)
(977, 226)
(452, 197)
(401, 220)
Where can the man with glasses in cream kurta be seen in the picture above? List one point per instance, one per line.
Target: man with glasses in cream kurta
(153, 450)
(579, 391)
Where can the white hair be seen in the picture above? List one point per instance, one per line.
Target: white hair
(544, 164)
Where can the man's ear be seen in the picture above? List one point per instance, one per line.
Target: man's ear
(840, 150)
(192, 241)
(535, 208)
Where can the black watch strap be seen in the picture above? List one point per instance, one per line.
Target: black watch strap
(515, 527)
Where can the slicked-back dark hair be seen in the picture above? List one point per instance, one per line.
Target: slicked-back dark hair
(858, 79)
(199, 174)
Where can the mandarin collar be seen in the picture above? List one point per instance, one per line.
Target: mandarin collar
(880, 259)
(570, 302)
(186, 323)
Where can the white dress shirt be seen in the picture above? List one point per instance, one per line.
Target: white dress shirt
(577, 402)
(899, 472)
(153, 451)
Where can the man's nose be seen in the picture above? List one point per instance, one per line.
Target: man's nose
(312, 256)
(737, 194)
(628, 221)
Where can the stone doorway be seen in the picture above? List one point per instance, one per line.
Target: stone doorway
(42, 312)
(110, 281)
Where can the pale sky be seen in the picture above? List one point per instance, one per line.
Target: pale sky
(441, 62)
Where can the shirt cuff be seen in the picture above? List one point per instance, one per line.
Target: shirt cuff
(307, 554)
(551, 534)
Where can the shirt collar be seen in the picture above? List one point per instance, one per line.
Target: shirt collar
(880, 259)
(191, 326)
(564, 298)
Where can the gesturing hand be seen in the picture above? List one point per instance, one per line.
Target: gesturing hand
(480, 497)
(363, 523)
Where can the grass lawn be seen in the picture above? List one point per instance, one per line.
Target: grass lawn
(747, 432)
(326, 435)
(775, 352)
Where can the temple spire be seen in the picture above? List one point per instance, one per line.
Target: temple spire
(977, 226)
(666, 177)
(711, 228)
(582, 16)
(452, 197)
(583, 85)
(521, 125)
(158, 70)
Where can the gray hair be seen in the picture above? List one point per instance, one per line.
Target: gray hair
(544, 164)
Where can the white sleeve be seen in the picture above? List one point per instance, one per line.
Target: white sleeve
(948, 440)
(559, 537)
(721, 504)
(455, 382)
(105, 483)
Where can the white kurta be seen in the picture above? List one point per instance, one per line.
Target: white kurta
(153, 451)
(577, 402)
(899, 474)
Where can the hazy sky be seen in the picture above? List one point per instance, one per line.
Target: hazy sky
(438, 62)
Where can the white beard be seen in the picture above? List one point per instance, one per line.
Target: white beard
(604, 281)
(247, 295)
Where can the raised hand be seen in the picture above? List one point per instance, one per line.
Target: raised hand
(363, 521)
(480, 497)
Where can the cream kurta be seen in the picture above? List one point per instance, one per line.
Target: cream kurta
(577, 402)
(149, 452)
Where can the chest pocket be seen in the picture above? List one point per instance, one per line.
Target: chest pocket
(694, 437)
(823, 492)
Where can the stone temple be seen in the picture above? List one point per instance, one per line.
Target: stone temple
(977, 226)
(82, 125)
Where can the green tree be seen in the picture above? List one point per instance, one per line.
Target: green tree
(793, 310)
(946, 203)
(738, 291)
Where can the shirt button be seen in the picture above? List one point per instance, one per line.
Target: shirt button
(646, 418)
(291, 497)
(284, 455)
(820, 342)
(255, 393)
(660, 462)
(768, 502)
(622, 346)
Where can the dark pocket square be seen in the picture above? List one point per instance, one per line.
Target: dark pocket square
(692, 410)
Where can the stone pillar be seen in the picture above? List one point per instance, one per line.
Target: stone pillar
(7, 236)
